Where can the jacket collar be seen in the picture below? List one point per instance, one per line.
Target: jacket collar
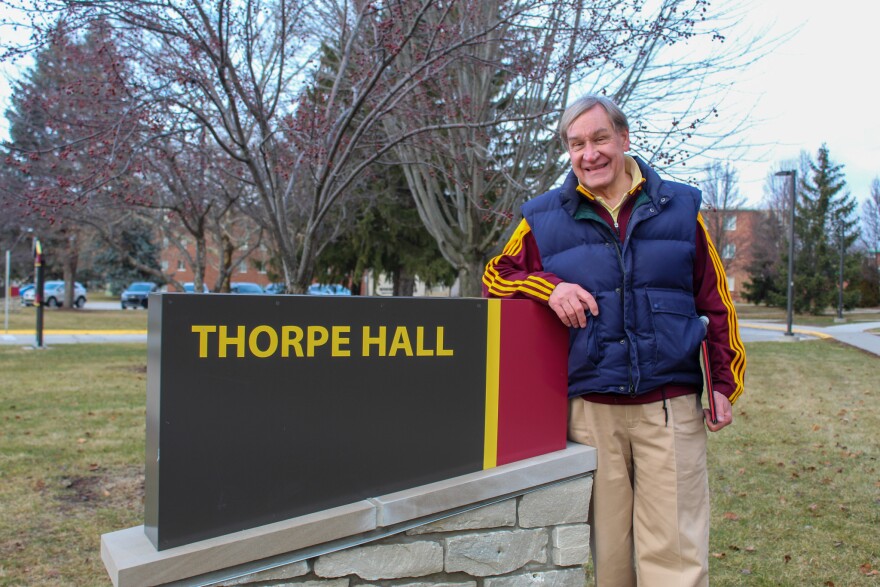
(653, 186)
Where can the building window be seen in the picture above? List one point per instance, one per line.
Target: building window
(261, 267)
(164, 265)
(181, 266)
(728, 251)
(730, 222)
(242, 266)
(731, 283)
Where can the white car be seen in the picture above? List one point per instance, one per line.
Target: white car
(53, 295)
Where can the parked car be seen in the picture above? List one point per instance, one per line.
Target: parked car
(53, 295)
(274, 288)
(137, 294)
(24, 289)
(244, 287)
(332, 289)
(190, 287)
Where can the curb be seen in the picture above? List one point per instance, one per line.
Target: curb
(815, 333)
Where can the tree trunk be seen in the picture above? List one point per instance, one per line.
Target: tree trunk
(470, 278)
(69, 262)
(404, 283)
(226, 264)
(199, 269)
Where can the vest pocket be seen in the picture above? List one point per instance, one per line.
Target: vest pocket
(677, 329)
(583, 350)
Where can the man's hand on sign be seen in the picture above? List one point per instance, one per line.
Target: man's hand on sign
(570, 302)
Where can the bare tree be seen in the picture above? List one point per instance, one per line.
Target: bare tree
(245, 72)
(869, 282)
(71, 125)
(194, 195)
(871, 219)
(491, 110)
(496, 108)
(722, 199)
(306, 95)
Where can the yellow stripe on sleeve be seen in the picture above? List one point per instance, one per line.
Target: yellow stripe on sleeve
(532, 285)
(738, 363)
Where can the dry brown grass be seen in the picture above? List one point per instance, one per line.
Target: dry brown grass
(71, 458)
(795, 481)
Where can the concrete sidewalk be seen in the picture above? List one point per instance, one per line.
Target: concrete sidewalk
(852, 333)
(28, 337)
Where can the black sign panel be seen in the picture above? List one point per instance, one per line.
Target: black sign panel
(263, 408)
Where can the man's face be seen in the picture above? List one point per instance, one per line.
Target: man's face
(597, 153)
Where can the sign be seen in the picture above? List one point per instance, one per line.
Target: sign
(263, 408)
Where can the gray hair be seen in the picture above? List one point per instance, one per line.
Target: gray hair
(584, 103)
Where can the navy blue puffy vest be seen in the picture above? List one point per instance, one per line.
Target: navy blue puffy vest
(647, 333)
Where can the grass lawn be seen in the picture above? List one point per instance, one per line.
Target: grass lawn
(795, 481)
(25, 318)
(752, 312)
(71, 458)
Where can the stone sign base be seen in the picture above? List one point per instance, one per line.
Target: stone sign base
(516, 525)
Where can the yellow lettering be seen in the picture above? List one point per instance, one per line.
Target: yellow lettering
(225, 340)
(401, 342)
(421, 351)
(273, 342)
(339, 340)
(318, 335)
(203, 332)
(368, 341)
(295, 342)
(441, 352)
(292, 339)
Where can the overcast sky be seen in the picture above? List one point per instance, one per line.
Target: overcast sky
(818, 87)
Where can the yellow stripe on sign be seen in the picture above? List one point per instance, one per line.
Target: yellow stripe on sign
(493, 364)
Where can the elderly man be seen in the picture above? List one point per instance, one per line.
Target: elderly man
(624, 260)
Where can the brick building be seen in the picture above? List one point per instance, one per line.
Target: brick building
(249, 265)
(733, 232)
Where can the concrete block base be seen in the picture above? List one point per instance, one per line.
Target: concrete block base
(427, 523)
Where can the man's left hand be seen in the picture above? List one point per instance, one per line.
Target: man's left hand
(723, 411)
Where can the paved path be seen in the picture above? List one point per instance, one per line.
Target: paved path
(852, 333)
(50, 337)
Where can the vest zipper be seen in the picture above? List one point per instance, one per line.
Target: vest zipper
(632, 391)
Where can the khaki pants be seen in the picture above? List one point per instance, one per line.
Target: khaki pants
(650, 507)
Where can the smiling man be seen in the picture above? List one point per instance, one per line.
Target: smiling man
(624, 260)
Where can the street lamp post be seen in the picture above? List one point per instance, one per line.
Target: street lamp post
(8, 290)
(792, 175)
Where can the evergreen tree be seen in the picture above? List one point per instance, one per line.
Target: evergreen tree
(135, 242)
(824, 215)
(387, 237)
